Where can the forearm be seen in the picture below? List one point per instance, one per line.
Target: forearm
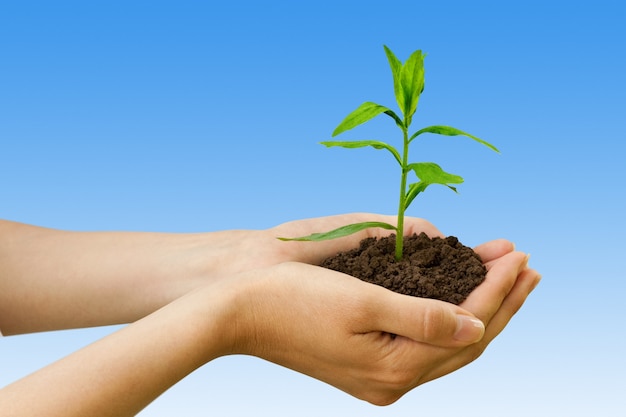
(313, 320)
(122, 373)
(51, 279)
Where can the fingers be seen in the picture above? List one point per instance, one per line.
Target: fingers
(526, 282)
(315, 252)
(337, 328)
(486, 300)
(415, 225)
(493, 250)
(423, 320)
(524, 285)
(508, 299)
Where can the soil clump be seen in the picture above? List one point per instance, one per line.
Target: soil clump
(439, 268)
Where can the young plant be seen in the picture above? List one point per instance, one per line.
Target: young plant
(408, 84)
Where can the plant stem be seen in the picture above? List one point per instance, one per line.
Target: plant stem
(402, 204)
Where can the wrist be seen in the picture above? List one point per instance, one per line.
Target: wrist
(212, 316)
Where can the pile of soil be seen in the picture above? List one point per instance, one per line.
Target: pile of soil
(438, 268)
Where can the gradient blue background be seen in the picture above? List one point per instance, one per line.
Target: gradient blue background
(197, 116)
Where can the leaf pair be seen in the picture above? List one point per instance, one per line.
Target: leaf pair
(429, 173)
(408, 84)
(408, 81)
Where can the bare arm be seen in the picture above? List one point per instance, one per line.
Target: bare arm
(53, 279)
(318, 322)
(123, 372)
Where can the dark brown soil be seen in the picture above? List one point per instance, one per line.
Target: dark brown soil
(439, 268)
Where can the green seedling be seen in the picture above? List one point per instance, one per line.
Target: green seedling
(408, 84)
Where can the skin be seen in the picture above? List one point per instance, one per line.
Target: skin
(193, 298)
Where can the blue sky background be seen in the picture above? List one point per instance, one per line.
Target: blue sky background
(197, 116)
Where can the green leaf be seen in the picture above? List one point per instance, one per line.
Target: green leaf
(451, 131)
(362, 114)
(396, 68)
(429, 173)
(412, 80)
(340, 232)
(363, 143)
(414, 190)
(408, 81)
(395, 117)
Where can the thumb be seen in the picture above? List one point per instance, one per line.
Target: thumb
(424, 320)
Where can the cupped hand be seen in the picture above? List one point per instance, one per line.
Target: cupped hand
(365, 340)
(315, 252)
(243, 250)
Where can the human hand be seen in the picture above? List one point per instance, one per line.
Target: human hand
(365, 340)
(315, 252)
(358, 337)
(99, 278)
(243, 250)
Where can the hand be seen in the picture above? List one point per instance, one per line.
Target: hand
(368, 341)
(361, 338)
(240, 251)
(98, 278)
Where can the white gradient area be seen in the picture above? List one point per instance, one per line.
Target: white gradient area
(195, 116)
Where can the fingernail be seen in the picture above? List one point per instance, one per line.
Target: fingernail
(468, 329)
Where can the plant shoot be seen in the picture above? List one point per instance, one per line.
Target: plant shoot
(408, 84)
